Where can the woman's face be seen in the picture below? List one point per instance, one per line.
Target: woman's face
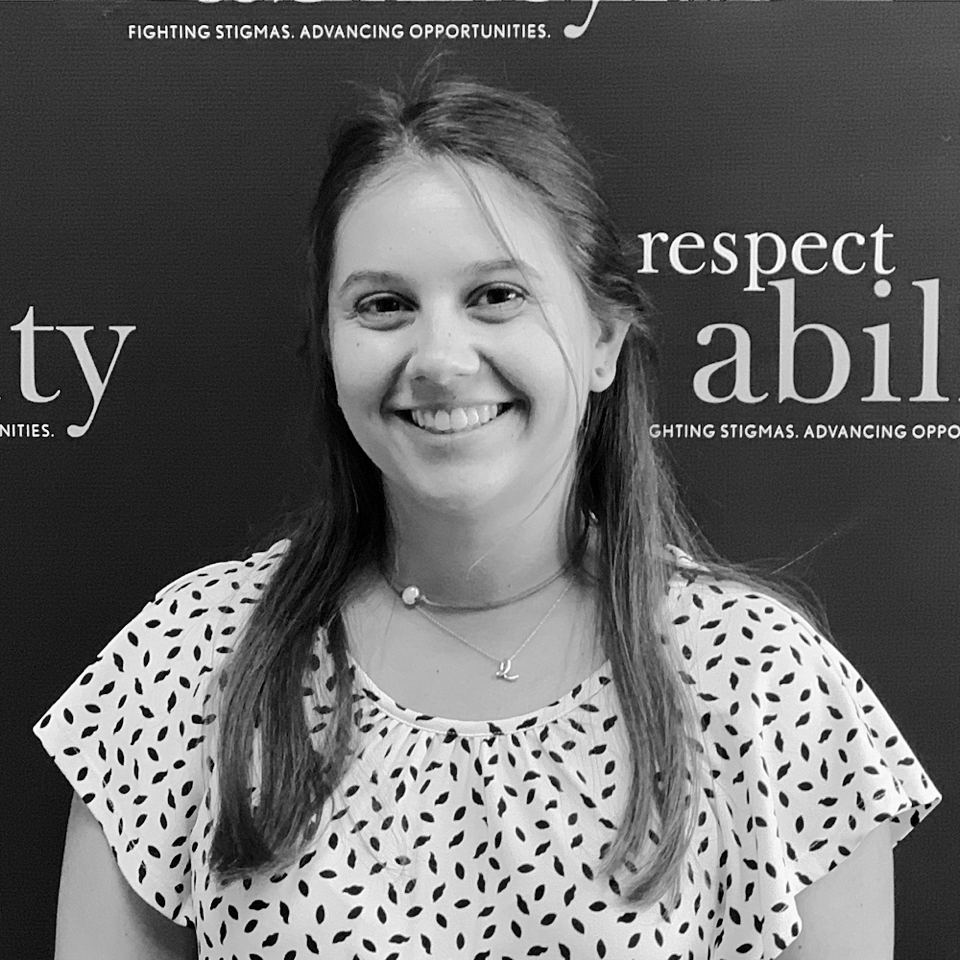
(462, 359)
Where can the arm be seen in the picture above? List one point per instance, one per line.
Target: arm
(99, 916)
(848, 913)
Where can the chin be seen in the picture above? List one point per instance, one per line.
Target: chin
(455, 497)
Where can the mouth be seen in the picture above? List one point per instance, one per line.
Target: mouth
(455, 419)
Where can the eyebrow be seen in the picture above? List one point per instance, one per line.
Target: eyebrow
(388, 278)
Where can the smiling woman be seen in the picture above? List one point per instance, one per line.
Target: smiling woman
(668, 760)
(462, 356)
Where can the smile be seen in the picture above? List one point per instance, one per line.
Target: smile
(456, 419)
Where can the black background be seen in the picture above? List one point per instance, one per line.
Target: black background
(165, 184)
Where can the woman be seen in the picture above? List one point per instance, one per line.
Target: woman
(483, 702)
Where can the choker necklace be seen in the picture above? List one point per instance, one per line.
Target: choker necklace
(503, 673)
(413, 596)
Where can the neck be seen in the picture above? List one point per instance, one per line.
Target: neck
(459, 559)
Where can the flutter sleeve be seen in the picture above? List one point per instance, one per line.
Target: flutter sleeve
(804, 760)
(131, 733)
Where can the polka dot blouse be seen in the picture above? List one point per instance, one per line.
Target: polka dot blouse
(481, 839)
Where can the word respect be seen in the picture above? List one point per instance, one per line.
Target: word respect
(767, 253)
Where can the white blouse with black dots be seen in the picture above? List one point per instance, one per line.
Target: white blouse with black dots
(481, 839)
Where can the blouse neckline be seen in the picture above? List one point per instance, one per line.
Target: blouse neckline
(579, 697)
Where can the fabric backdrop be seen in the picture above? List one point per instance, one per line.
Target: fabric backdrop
(163, 185)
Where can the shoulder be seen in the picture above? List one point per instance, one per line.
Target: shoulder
(759, 667)
(158, 664)
(210, 602)
(726, 627)
(696, 597)
(194, 620)
(801, 760)
(238, 580)
(783, 712)
(131, 733)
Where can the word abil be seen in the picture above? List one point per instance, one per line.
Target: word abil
(839, 352)
(77, 336)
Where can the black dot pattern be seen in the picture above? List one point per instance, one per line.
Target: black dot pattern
(483, 839)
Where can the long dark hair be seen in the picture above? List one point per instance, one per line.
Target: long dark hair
(621, 496)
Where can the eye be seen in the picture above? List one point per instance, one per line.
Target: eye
(498, 301)
(383, 309)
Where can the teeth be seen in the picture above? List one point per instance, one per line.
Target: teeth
(457, 419)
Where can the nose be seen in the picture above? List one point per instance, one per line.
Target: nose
(442, 347)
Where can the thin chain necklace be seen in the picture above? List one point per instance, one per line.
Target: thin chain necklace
(413, 596)
(503, 673)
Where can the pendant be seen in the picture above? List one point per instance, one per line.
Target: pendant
(504, 672)
(411, 595)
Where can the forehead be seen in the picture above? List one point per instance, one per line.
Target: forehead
(419, 208)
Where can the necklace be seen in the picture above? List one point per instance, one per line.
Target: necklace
(413, 596)
(503, 673)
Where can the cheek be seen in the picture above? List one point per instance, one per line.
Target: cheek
(354, 372)
(563, 365)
